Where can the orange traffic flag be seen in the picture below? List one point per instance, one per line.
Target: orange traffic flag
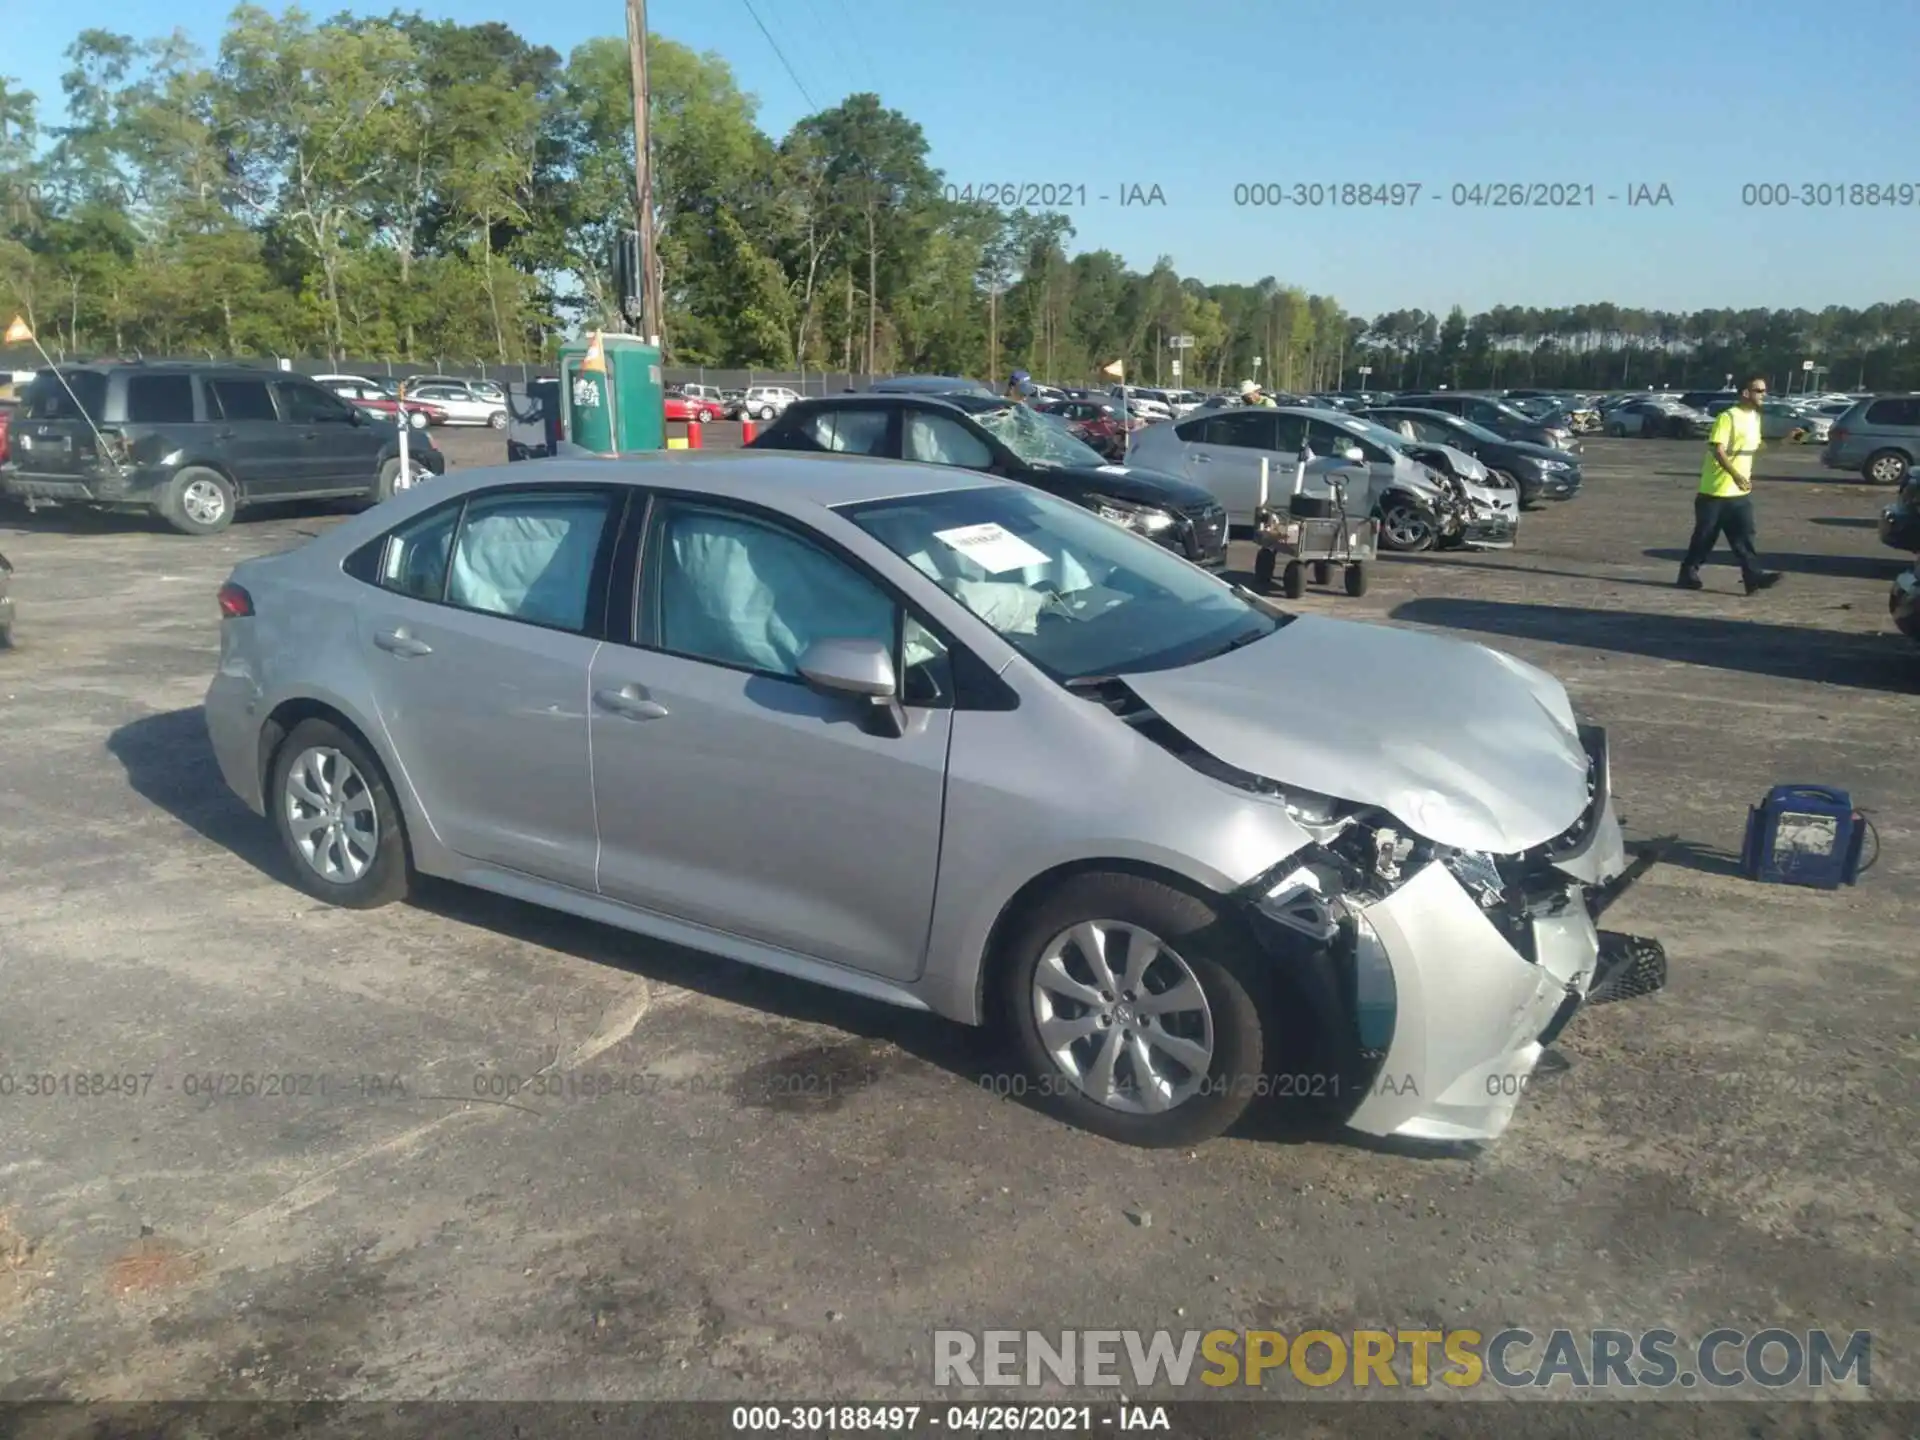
(19, 332)
(596, 356)
(1117, 369)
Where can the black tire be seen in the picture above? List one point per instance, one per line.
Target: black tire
(1908, 624)
(189, 502)
(1263, 569)
(1418, 531)
(388, 876)
(1293, 580)
(765, 412)
(1617, 430)
(1356, 579)
(1887, 467)
(497, 420)
(1220, 959)
(417, 419)
(1323, 572)
(387, 485)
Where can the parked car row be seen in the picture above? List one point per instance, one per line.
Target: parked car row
(428, 399)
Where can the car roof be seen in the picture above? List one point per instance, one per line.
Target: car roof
(780, 477)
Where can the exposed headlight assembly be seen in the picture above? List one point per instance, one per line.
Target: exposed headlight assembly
(1142, 520)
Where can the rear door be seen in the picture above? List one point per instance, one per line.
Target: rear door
(478, 642)
(263, 456)
(1224, 458)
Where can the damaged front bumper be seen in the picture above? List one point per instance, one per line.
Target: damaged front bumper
(1439, 988)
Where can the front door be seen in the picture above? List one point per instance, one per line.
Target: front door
(264, 456)
(479, 651)
(344, 455)
(734, 796)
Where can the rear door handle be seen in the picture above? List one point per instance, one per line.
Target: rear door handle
(398, 642)
(1203, 459)
(630, 703)
(223, 434)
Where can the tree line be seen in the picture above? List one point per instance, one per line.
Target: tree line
(400, 188)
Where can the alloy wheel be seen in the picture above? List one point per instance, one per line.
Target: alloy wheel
(203, 502)
(331, 815)
(1123, 1017)
(1406, 528)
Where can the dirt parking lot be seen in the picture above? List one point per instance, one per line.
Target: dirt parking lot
(805, 1187)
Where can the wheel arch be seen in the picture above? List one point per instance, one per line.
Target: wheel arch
(994, 956)
(290, 713)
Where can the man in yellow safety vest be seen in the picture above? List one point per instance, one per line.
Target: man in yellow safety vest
(1724, 505)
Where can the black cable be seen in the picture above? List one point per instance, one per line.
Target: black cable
(1873, 835)
(781, 53)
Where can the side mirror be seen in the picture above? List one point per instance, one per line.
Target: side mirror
(1353, 453)
(862, 669)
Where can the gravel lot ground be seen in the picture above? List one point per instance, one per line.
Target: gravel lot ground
(812, 1185)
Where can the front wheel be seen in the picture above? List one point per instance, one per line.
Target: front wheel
(393, 481)
(1131, 1010)
(1293, 580)
(1356, 579)
(765, 412)
(1907, 619)
(417, 420)
(1404, 526)
(337, 818)
(198, 502)
(1263, 570)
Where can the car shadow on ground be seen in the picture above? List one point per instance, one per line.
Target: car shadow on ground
(1844, 567)
(169, 761)
(1788, 652)
(1459, 559)
(1705, 859)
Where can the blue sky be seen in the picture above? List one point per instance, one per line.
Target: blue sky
(1701, 96)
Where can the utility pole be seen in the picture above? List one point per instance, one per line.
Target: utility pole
(650, 281)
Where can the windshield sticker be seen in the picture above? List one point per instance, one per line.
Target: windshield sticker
(992, 548)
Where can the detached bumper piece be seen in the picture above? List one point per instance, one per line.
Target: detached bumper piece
(1630, 967)
(1488, 534)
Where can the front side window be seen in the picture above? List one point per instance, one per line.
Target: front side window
(310, 405)
(529, 556)
(1079, 596)
(740, 591)
(942, 440)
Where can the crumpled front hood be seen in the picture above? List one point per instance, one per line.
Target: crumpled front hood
(1462, 744)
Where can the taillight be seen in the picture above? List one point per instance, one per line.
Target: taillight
(235, 602)
(1836, 434)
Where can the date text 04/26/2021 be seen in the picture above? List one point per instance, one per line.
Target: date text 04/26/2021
(1054, 194)
(955, 1419)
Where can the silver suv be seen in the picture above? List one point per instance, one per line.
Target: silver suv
(763, 402)
(1879, 437)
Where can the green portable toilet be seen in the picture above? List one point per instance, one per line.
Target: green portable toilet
(629, 397)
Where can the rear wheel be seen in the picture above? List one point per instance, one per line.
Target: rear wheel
(1907, 619)
(393, 482)
(198, 502)
(1356, 579)
(1887, 467)
(1323, 572)
(1263, 569)
(417, 419)
(337, 818)
(1293, 580)
(497, 420)
(1130, 1006)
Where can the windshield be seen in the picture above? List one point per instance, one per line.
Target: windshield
(1459, 426)
(1078, 596)
(1370, 430)
(1037, 439)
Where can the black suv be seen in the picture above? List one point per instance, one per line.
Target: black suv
(195, 442)
(1000, 437)
(1495, 415)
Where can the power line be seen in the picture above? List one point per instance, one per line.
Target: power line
(833, 39)
(785, 64)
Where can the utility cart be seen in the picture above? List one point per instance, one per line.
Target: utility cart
(1313, 531)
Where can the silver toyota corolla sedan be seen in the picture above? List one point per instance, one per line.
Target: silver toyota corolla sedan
(928, 736)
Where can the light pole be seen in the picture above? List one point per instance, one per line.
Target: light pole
(1365, 371)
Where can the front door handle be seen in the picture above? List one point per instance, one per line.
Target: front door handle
(398, 642)
(630, 703)
(1203, 459)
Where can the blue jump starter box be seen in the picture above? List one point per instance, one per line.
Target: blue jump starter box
(1804, 835)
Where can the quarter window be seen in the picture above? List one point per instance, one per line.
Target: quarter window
(416, 556)
(1900, 410)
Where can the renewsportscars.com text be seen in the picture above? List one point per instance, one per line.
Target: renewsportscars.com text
(1512, 1358)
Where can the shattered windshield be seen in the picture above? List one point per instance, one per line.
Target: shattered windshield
(1036, 439)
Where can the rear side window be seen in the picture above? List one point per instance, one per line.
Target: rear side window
(47, 399)
(237, 399)
(847, 432)
(1895, 410)
(159, 399)
(530, 556)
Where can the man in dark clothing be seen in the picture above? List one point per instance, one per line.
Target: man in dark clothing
(1724, 505)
